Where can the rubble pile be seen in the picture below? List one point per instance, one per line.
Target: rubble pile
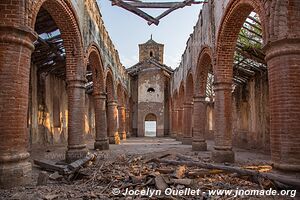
(107, 176)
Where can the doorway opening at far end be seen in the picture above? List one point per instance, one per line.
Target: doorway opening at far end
(150, 125)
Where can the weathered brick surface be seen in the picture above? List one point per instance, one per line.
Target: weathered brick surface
(17, 23)
(217, 29)
(284, 69)
(15, 50)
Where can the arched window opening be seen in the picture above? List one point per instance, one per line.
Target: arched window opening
(151, 54)
(151, 90)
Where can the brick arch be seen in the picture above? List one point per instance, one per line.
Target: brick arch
(203, 65)
(64, 16)
(189, 85)
(95, 61)
(181, 97)
(120, 95)
(110, 88)
(235, 15)
(150, 117)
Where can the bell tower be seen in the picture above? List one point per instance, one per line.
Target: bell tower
(151, 49)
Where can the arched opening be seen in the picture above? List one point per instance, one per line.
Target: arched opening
(180, 112)
(95, 100)
(188, 110)
(61, 59)
(239, 44)
(90, 122)
(48, 100)
(111, 110)
(175, 115)
(250, 87)
(151, 54)
(203, 100)
(150, 125)
(121, 112)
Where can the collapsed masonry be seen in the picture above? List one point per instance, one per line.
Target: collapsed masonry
(62, 83)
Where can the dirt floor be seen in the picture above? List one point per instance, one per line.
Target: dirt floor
(136, 164)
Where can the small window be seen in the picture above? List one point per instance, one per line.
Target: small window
(151, 54)
(150, 90)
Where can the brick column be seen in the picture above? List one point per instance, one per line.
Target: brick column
(283, 59)
(179, 124)
(112, 122)
(187, 125)
(76, 144)
(223, 122)
(199, 143)
(128, 133)
(101, 141)
(16, 46)
(174, 123)
(122, 122)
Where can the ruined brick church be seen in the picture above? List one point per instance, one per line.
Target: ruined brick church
(150, 89)
(62, 84)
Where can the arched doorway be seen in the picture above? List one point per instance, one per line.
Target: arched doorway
(150, 125)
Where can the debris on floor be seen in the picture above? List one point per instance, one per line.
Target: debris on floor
(97, 176)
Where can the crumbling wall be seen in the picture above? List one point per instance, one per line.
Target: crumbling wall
(151, 102)
(251, 114)
(94, 32)
(48, 110)
(210, 121)
(89, 117)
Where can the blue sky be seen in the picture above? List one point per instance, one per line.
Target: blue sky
(127, 30)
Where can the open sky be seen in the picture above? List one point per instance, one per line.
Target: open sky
(127, 30)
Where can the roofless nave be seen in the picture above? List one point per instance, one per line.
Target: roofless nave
(62, 83)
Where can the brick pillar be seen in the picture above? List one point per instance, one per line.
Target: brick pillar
(16, 46)
(101, 141)
(128, 133)
(199, 143)
(76, 109)
(174, 123)
(223, 122)
(179, 124)
(122, 122)
(283, 59)
(187, 125)
(112, 122)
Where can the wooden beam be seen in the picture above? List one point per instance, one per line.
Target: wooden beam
(154, 4)
(135, 10)
(175, 7)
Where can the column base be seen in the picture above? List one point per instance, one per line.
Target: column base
(14, 174)
(179, 138)
(115, 139)
(199, 145)
(74, 154)
(287, 167)
(173, 135)
(123, 135)
(222, 156)
(101, 144)
(187, 140)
